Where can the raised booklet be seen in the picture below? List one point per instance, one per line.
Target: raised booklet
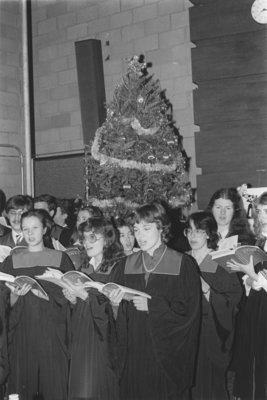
(241, 255)
(4, 252)
(7, 250)
(79, 283)
(36, 288)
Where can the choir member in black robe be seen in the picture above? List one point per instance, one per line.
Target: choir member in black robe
(158, 337)
(227, 208)
(221, 294)
(250, 352)
(37, 328)
(93, 367)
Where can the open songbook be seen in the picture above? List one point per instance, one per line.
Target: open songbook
(79, 283)
(240, 254)
(7, 250)
(67, 280)
(4, 252)
(36, 288)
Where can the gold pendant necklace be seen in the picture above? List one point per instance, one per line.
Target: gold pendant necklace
(155, 266)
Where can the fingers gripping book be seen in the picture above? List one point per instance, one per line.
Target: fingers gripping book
(36, 288)
(239, 254)
(79, 283)
(5, 251)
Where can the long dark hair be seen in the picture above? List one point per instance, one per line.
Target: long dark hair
(205, 220)
(113, 250)
(239, 224)
(261, 200)
(45, 220)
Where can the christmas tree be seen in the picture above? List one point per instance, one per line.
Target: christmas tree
(136, 156)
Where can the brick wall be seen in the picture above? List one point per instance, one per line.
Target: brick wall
(11, 113)
(157, 28)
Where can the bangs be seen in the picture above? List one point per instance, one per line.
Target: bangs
(200, 220)
(146, 214)
(95, 225)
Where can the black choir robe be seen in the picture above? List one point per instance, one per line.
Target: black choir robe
(157, 349)
(250, 353)
(217, 330)
(38, 330)
(93, 366)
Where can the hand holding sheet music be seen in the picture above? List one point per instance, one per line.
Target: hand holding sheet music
(5, 251)
(240, 255)
(79, 283)
(247, 269)
(20, 281)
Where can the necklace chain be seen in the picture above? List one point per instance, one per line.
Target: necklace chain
(157, 263)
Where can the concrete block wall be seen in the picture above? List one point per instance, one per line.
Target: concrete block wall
(11, 99)
(159, 29)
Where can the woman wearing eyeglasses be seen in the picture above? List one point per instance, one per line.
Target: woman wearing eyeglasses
(93, 368)
(221, 293)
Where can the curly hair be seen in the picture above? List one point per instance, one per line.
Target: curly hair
(92, 211)
(154, 212)
(205, 220)
(127, 220)
(113, 250)
(239, 224)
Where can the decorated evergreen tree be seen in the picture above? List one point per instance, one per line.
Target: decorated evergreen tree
(136, 155)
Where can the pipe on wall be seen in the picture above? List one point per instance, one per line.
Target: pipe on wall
(26, 101)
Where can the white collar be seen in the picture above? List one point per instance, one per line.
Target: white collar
(93, 263)
(16, 235)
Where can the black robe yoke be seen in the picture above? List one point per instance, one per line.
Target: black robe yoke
(158, 348)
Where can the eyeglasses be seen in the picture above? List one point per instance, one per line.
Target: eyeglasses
(91, 238)
(196, 232)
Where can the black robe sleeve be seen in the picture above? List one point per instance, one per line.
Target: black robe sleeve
(225, 295)
(175, 325)
(173, 319)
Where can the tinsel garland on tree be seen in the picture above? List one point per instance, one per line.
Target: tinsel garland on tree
(136, 155)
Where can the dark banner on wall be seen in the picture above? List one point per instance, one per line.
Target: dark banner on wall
(61, 176)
